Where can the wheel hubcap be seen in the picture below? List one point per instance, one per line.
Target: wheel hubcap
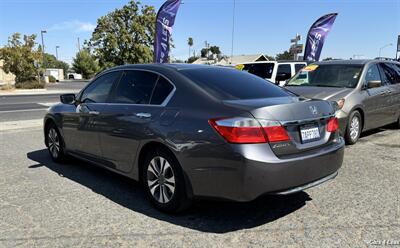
(354, 128)
(54, 142)
(161, 179)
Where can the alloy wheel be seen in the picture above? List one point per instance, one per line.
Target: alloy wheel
(161, 179)
(53, 143)
(354, 128)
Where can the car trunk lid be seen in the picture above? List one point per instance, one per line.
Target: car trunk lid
(305, 121)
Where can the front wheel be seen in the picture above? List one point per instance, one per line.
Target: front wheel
(354, 128)
(55, 143)
(163, 181)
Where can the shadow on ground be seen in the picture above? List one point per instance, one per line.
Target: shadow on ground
(206, 216)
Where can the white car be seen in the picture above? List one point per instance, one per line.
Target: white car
(275, 71)
(74, 76)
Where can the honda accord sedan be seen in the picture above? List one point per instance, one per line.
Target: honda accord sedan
(367, 92)
(189, 131)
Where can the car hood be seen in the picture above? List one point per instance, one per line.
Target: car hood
(325, 93)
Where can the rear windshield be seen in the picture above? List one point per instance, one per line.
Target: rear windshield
(231, 84)
(263, 70)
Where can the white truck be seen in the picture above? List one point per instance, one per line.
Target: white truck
(275, 71)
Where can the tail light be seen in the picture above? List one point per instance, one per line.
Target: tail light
(249, 131)
(333, 125)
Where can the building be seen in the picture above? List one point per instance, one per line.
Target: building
(6, 78)
(230, 61)
(58, 74)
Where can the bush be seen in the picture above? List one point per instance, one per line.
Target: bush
(30, 85)
(52, 79)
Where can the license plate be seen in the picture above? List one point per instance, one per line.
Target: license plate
(309, 133)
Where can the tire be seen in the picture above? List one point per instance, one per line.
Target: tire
(397, 124)
(354, 128)
(55, 143)
(166, 190)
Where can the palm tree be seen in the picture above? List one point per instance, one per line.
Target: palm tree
(190, 43)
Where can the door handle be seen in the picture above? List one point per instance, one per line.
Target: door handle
(94, 112)
(143, 115)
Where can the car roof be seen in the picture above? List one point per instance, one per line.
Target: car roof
(352, 62)
(275, 61)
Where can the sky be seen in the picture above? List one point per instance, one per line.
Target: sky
(261, 26)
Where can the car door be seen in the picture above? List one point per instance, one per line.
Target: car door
(391, 74)
(81, 128)
(375, 99)
(131, 117)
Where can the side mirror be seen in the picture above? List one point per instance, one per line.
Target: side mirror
(374, 84)
(67, 98)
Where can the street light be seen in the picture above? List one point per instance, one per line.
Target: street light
(57, 51)
(44, 60)
(380, 49)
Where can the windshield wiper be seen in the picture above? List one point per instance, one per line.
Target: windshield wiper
(324, 85)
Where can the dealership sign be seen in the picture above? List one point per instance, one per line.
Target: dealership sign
(164, 23)
(316, 36)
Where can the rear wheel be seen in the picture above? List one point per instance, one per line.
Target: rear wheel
(163, 181)
(354, 128)
(55, 143)
(397, 124)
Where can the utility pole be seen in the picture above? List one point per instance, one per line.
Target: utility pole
(44, 58)
(207, 47)
(79, 45)
(233, 29)
(57, 51)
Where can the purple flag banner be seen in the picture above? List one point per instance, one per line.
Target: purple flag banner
(164, 22)
(316, 36)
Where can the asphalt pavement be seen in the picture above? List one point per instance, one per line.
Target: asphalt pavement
(33, 105)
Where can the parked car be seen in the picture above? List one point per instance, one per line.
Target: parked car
(367, 92)
(189, 131)
(74, 76)
(275, 71)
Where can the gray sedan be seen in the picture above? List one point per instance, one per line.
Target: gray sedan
(190, 131)
(367, 92)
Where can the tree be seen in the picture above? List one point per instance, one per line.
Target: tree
(86, 64)
(190, 44)
(125, 35)
(286, 55)
(192, 59)
(19, 57)
(215, 50)
(204, 52)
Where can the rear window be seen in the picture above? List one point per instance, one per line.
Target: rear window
(231, 84)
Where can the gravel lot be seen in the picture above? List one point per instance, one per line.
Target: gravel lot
(43, 204)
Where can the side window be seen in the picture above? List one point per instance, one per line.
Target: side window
(284, 72)
(298, 67)
(161, 91)
(98, 91)
(391, 76)
(396, 69)
(135, 87)
(372, 74)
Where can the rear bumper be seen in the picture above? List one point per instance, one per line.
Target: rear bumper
(257, 171)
